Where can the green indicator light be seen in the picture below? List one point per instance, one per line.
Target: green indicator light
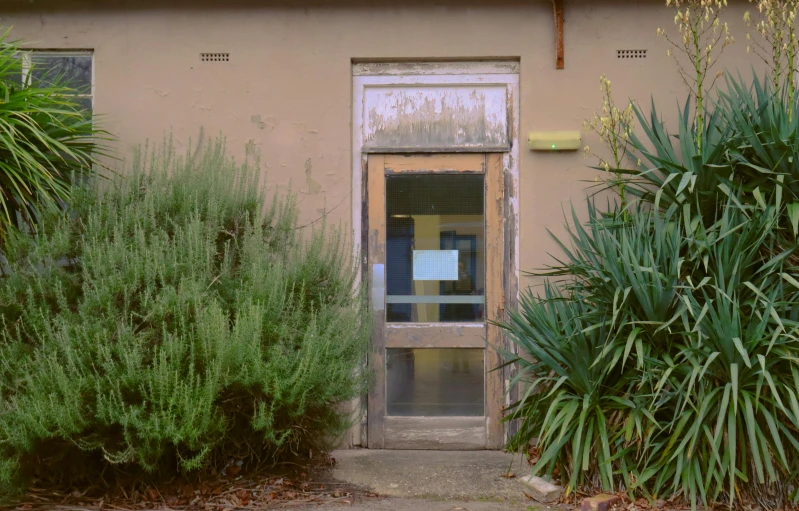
(553, 146)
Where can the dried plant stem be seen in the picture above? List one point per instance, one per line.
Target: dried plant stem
(776, 24)
(614, 127)
(703, 39)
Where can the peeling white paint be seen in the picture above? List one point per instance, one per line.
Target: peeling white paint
(427, 117)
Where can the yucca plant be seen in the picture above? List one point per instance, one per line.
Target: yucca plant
(593, 337)
(731, 431)
(665, 357)
(687, 305)
(764, 137)
(46, 141)
(764, 143)
(749, 143)
(674, 172)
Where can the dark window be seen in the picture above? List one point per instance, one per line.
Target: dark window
(62, 68)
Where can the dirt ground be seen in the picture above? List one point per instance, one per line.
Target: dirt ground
(362, 479)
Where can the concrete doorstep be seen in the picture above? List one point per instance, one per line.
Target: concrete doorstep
(435, 480)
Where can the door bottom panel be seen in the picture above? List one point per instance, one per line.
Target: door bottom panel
(435, 433)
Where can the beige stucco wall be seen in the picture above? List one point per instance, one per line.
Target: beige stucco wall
(286, 93)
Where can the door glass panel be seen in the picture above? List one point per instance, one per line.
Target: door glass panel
(435, 382)
(435, 248)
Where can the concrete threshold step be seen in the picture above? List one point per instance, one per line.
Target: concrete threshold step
(468, 476)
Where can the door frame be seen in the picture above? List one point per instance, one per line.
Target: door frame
(386, 75)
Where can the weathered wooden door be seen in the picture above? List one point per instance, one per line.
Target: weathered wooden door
(435, 251)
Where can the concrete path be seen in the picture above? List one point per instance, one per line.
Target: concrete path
(402, 504)
(434, 480)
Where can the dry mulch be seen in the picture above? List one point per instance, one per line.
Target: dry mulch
(625, 503)
(232, 490)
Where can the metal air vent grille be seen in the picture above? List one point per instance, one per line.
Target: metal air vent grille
(631, 54)
(214, 57)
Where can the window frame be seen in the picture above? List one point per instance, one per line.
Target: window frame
(27, 64)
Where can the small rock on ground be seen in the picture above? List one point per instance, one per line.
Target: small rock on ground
(601, 502)
(541, 489)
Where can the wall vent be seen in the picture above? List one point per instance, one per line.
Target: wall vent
(630, 54)
(214, 57)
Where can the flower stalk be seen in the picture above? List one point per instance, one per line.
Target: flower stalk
(776, 25)
(614, 127)
(702, 38)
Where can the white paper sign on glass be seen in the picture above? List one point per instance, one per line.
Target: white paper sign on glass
(435, 265)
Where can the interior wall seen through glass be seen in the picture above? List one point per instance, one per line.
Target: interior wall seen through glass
(428, 215)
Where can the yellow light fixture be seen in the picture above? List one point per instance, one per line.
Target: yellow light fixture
(554, 140)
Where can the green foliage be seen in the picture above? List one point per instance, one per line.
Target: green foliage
(676, 171)
(172, 321)
(749, 143)
(46, 141)
(764, 144)
(665, 360)
(662, 356)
